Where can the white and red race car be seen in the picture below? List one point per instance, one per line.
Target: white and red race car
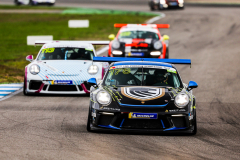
(139, 40)
(34, 2)
(63, 67)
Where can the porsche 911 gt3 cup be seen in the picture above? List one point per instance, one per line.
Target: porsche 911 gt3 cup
(139, 40)
(63, 67)
(34, 2)
(142, 95)
(164, 4)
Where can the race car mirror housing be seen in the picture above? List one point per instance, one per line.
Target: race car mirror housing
(166, 37)
(111, 36)
(192, 85)
(29, 58)
(92, 82)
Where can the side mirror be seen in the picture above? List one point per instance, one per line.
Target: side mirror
(166, 37)
(192, 85)
(29, 58)
(92, 82)
(111, 36)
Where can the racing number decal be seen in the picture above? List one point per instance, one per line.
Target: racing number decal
(123, 70)
(48, 50)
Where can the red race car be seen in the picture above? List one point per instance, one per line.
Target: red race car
(139, 40)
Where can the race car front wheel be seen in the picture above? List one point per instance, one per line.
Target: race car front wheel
(195, 125)
(24, 89)
(17, 3)
(167, 53)
(89, 120)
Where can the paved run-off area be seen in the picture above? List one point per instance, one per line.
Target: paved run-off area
(54, 127)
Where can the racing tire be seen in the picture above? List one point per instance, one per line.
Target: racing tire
(31, 3)
(194, 132)
(24, 89)
(17, 3)
(89, 121)
(51, 4)
(167, 53)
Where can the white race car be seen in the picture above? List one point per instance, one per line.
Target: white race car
(34, 2)
(63, 67)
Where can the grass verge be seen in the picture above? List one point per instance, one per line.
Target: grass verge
(16, 27)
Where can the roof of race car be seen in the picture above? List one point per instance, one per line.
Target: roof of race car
(58, 44)
(139, 28)
(143, 63)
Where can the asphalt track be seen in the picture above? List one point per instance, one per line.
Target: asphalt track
(54, 127)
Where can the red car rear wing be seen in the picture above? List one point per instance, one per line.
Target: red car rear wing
(117, 25)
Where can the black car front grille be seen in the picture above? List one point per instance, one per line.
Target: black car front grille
(142, 123)
(34, 85)
(105, 120)
(179, 122)
(62, 88)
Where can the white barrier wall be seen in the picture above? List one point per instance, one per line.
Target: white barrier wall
(78, 23)
(31, 39)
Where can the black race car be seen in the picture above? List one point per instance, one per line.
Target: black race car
(142, 95)
(164, 4)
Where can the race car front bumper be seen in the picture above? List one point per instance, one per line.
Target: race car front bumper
(44, 87)
(120, 121)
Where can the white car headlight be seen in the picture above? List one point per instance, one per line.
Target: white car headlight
(163, 1)
(103, 97)
(180, 1)
(115, 44)
(117, 52)
(155, 53)
(34, 69)
(181, 100)
(93, 69)
(157, 45)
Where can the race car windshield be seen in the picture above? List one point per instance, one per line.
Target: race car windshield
(143, 77)
(138, 34)
(66, 54)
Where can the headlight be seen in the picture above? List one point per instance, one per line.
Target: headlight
(103, 97)
(155, 53)
(117, 52)
(93, 69)
(157, 45)
(163, 1)
(115, 44)
(181, 100)
(34, 69)
(180, 1)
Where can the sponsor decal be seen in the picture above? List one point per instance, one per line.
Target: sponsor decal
(166, 111)
(135, 54)
(143, 94)
(172, 70)
(63, 82)
(177, 110)
(110, 109)
(142, 115)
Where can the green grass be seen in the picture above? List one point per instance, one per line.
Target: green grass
(14, 29)
(31, 7)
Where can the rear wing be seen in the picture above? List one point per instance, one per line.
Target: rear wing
(89, 42)
(142, 25)
(116, 59)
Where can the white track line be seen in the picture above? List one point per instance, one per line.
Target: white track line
(10, 95)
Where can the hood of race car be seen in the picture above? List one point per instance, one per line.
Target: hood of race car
(67, 69)
(136, 95)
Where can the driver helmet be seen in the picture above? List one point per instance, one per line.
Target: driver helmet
(161, 75)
